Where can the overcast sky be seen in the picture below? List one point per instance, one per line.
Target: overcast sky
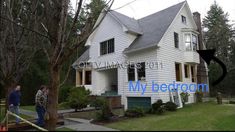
(141, 8)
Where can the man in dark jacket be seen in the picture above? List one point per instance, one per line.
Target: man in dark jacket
(14, 101)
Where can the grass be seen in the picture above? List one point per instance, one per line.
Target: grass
(204, 116)
(64, 129)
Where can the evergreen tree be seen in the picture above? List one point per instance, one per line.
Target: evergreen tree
(218, 35)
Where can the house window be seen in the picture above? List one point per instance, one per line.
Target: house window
(88, 78)
(195, 42)
(187, 38)
(186, 71)
(183, 19)
(176, 38)
(107, 47)
(178, 72)
(193, 73)
(141, 71)
(131, 72)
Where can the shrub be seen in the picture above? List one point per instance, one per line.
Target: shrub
(106, 112)
(231, 102)
(64, 93)
(184, 97)
(98, 102)
(199, 96)
(170, 106)
(158, 107)
(78, 98)
(135, 112)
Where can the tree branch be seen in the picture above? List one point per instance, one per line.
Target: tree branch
(82, 39)
(75, 19)
(25, 28)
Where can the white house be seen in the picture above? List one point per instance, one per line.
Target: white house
(157, 49)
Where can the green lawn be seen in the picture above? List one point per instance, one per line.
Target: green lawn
(204, 116)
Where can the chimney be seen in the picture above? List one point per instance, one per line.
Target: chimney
(197, 19)
(202, 72)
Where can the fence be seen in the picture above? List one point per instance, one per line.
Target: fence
(2, 107)
(5, 121)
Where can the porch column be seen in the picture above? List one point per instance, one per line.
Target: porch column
(83, 76)
(78, 78)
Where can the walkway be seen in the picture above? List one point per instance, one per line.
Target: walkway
(73, 123)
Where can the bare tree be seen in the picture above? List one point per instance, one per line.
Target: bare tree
(18, 39)
(26, 24)
(61, 46)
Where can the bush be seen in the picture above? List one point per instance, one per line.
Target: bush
(199, 96)
(231, 102)
(135, 112)
(184, 97)
(64, 93)
(98, 102)
(170, 106)
(158, 107)
(78, 98)
(106, 112)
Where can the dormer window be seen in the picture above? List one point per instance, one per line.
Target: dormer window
(107, 47)
(183, 19)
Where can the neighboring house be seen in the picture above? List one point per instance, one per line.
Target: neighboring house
(160, 47)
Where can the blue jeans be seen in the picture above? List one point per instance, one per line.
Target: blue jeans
(15, 110)
(41, 112)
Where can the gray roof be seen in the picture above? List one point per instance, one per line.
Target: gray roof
(150, 29)
(83, 58)
(154, 27)
(131, 24)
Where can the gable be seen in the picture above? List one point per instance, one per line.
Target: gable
(154, 27)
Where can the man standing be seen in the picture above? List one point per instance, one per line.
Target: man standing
(41, 102)
(14, 102)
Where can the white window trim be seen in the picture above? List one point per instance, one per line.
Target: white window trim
(191, 37)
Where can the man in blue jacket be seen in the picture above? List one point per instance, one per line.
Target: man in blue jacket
(14, 101)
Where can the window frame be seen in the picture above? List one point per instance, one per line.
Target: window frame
(131, 66)
(186, 71)
(88, 76)
(188, 42)
(180, 79)
(141, 70)
(107, 47)
(183, 19)
(194, 44)
(176, 40)
(193, 73)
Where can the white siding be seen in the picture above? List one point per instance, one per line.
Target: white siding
(108, 29)
(163, 57)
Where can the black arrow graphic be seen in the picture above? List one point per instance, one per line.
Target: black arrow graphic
(207, 56)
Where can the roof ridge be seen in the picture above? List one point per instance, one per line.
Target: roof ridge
(163, 10)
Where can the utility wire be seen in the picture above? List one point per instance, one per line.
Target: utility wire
(124, 5)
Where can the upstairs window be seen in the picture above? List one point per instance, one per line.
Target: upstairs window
(194, 41)
(107, 47)
(176, 39)
(183, 18)
(131, 72)
(141, 71)
(191, 42)
(187, 38)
